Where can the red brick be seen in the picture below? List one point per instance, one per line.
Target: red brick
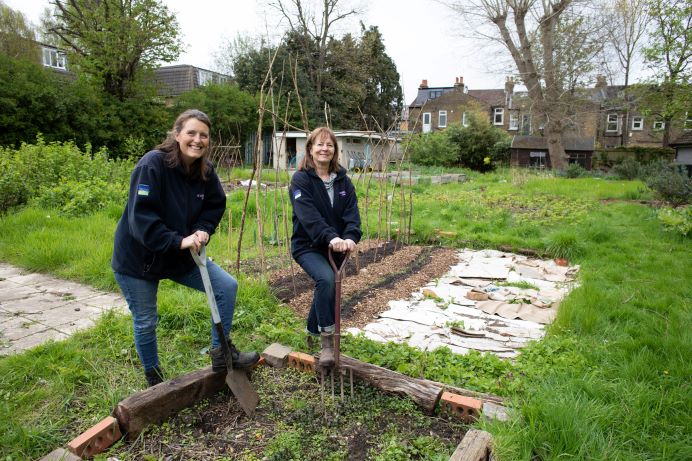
(97, 439)
(466, 408)
(301, 361)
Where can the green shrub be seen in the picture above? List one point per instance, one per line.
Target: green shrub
(670, 183)
(432, 149)
(678, 220)
(13, 188)
(627, 169)
(574, 170)
(79, 198)
(477, 143)
(61, 176)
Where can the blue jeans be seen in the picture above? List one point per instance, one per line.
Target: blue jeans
(140, 295)
(321, 316)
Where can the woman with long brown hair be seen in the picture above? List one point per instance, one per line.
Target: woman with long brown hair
(175, 204)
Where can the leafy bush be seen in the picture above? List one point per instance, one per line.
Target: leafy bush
(677, 220)
(79, 198)
(627, 169)
(670, 183)
(574, 170)
(432, 149)
(60, 175)
(477, 143)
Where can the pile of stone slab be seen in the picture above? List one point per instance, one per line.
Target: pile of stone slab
(491, 301)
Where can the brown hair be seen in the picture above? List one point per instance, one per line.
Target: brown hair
(307, 163)
(200, 167)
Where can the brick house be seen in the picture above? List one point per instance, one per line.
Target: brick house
(437, 107)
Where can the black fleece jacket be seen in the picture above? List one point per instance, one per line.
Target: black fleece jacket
(315, 221)
(164, 206)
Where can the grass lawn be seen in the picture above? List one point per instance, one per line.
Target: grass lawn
(611, 380)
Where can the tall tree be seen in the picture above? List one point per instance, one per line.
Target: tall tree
(17, 36)
(531, 31)
(668, 54)
(114, 40)
(383, 95)
(316, 30)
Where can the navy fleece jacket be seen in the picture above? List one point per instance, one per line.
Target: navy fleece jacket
(315, 221)
(164, 206)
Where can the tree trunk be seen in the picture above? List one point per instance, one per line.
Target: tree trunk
(556, 150)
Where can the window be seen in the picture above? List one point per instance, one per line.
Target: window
(612, 123)
(637, 123)
(54, 58)
(442, 119)
(434, 94)
(498, 116)
(204, 77)
(526, 125)
(513, 121)
(658, 125)
(688, 121)
(465, 119)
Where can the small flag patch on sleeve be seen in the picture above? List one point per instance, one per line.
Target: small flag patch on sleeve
(297, 194)
(143, 189)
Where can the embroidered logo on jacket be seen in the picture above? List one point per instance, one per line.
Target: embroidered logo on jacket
(143, 190)
(200, 196)
(296, 194)
(342, 193)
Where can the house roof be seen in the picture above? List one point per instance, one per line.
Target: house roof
(424, 94)
(540, 142)
(177, 79)
(685, 139)
(492, 97)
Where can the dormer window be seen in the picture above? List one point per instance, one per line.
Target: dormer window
(54, 58)
(434, 94)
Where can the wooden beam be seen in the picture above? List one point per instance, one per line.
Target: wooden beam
(475, 446)
(425, 393)
(155, 404)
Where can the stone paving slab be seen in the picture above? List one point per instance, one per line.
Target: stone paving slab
(35, 308)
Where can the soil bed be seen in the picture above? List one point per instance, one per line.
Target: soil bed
(378, 273)
(291, 423)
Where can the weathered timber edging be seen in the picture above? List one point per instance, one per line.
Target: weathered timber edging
(475, 446)
(155, 404)
(158, 403)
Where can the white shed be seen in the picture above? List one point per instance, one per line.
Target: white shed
(357, 149)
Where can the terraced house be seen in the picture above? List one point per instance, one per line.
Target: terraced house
(602, 117)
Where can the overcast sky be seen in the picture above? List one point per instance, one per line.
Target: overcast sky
(421, 36)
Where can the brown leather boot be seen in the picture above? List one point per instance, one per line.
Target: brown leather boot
(327, 351)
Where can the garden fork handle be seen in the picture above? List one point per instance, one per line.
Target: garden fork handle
(338, 272)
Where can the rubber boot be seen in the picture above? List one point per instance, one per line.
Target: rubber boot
(327, 351)
(240, 359)
(154, 375)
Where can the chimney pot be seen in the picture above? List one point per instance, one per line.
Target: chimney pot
(424, 83)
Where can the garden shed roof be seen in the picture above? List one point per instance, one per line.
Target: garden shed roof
(540, 142)
(685, 139)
